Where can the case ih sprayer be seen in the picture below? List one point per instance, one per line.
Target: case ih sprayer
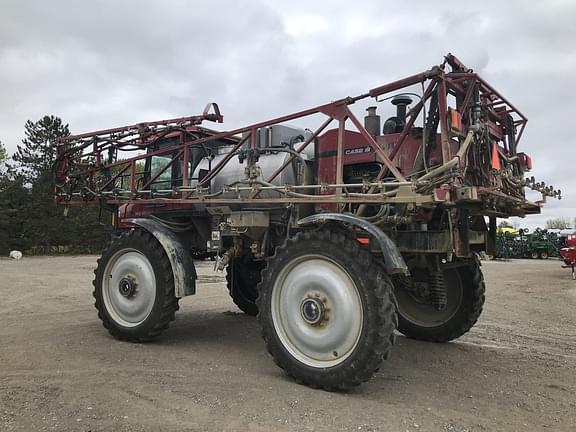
(334, 236)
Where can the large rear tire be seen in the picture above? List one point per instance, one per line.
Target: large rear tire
(465, 290)
(242, 276)
(327, 310)
(134, 288)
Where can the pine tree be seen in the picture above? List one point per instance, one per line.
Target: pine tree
(3, 166)
(32, 166)
(35, 157)
(14, 199)
(31, 218)
(3, 154)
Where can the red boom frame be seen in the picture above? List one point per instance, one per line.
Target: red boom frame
(83, 175)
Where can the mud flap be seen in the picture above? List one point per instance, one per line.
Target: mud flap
(180, 260)
(393, 260)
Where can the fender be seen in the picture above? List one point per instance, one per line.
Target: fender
(180, 260)
(393, 260)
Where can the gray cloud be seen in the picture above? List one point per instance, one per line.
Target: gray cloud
(106, 63)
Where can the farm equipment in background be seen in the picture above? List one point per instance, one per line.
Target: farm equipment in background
(568, 253)
(333, 237)
(507, 245)
(540, 244)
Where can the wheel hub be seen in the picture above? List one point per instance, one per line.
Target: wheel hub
(127, 286)
(313, 311)
(316, 310)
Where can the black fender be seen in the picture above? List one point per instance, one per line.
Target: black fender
(180, 259)
(393, 260)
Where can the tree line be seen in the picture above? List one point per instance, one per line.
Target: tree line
(29, 219)
(560, 223)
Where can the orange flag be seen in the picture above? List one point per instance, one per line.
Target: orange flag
(495, 157)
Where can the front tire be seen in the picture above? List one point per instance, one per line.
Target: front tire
(465, 291)
(134, 288)
(327, 310)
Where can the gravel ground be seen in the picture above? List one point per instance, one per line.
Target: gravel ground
(60, 371)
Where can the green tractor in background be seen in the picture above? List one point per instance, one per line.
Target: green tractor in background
(541, 244)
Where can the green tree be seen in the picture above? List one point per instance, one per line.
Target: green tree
(3, 154)
(14, 197)
(28, 215)
(32, 165)
(558, 223)
(504, 224)
(35, 157)
(3, 165)
(15, 201)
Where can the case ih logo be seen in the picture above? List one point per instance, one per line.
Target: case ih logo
(358, 150)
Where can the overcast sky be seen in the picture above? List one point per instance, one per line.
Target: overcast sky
(105, 63)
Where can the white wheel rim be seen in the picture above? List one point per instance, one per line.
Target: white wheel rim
(312, 283)
(129, 307)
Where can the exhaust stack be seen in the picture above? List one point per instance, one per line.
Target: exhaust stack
(372, 121)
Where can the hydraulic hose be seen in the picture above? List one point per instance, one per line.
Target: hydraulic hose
(452, 162)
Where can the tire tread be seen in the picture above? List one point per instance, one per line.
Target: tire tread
(379, 338)
(170, 301)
